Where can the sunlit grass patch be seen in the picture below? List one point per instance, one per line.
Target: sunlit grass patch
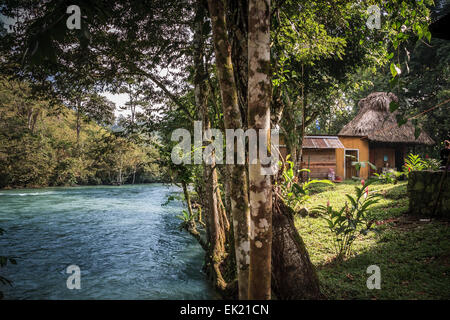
(413, 255)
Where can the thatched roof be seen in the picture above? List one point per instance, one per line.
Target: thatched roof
(378, 124)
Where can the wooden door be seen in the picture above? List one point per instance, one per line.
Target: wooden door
(350, 156)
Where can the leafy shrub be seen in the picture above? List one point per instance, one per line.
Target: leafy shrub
(391, 176)
(432, 164)
(362, 164)
(413, 163)
(348, 221)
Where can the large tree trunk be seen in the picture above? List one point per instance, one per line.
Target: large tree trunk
(259, 99)
(293, 274)
(217, 221)
(226, 174)
(233, 120)
(237, 25)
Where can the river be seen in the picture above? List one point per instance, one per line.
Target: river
(126, 244)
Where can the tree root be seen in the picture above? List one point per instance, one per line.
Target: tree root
(293, 275)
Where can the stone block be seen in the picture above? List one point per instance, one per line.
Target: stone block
(422, 190)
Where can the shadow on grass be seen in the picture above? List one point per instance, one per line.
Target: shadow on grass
(414, 264)
(413, 255)
(393, 202)
(393, 192)
(320, 187)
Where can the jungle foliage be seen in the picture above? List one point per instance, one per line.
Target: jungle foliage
(39, 146)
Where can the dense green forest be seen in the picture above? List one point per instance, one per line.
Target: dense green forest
(39, 146)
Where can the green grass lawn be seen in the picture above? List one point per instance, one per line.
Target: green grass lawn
(413, 255)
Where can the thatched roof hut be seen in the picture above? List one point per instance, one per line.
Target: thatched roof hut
(378, 124)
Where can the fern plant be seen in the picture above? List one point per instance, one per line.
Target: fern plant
(185, 217)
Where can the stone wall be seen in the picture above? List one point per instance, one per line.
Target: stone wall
(423, 187)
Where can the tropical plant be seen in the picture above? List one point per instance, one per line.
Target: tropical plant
(187, 220)
(349, 220)
(432, 164)
(413, 163)
(361, 164)
(186, 217)
(294, 193)
(390, 176)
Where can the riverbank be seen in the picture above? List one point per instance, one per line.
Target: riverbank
(33, 187)
(43, 145)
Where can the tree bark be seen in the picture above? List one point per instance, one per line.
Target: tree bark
(217, 221)
(32, 119)
(259, 99)
(119, 178)
(233, 120)
(226, 174)
(304, 124)
(190, 225)
(187, 197)
(237, 25)
(293, 275)
(29, 116)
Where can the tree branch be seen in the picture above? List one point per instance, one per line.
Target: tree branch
(169, 94)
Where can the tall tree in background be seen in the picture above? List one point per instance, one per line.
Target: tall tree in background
(218, 225)
(93, 106)
(133, 87)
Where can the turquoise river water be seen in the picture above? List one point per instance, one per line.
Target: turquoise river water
(125, 243)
